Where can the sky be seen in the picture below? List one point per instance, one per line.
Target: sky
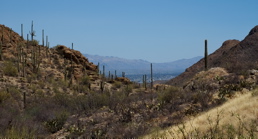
(153, 30)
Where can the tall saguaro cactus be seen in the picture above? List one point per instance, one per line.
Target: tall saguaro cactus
(205, 55)
(151, 76)
(32, 33)
(71, 66)
(145, 81)
(43, 37)
(22, 31)
(10, 35)
(98, 67)
(27, 41)
(103, 71)
(1, 43)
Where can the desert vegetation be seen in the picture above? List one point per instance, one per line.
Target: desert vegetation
(56, 92)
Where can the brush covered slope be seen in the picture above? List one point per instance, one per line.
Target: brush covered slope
(57, 93)
(36, 82)
(235, 56)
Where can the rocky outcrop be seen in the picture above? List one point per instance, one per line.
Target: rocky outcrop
(76, 56)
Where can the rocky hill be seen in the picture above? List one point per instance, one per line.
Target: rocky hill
(235, 56)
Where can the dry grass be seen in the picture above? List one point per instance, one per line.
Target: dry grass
(234, 117)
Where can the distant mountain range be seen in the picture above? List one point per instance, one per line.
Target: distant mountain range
(134, 67)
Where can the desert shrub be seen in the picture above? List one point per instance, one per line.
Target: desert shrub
(14, 92)
(55, 47)
(4, 96)
(117, 85)
(34, 42)
(57, 123)
(31, 77)
(246, 84)
(85, 80)
(169, 95)
(116, 98)
(41, 84)
(9, 69)
(202, 97)
(62, 100)
(255, 92)
(228, 90)
(98, 100)
(90, 102)
(33, 88)
(15, 133)
(9, 110)
(128, 89)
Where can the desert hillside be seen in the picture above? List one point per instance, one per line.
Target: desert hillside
(235, 56)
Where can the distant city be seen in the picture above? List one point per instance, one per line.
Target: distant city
(161, 77)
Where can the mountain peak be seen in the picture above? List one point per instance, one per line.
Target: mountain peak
(253, 30)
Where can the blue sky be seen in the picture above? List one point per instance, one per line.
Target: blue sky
(152, 30)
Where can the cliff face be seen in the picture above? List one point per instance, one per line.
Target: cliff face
(235, 56)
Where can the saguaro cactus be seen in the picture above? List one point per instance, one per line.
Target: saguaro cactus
(103, 71)
(109, 75)
(22, 31)
(24, 99)
(32, 33)
(71, 67)
(1, 43)
(27, 41)
(102, 86)
(2, 38)
(43, 37)
(1, 51)
(47, 45)
(205, 55)
(98, 67)
(145, 83)
(151, 76)
(10, 35)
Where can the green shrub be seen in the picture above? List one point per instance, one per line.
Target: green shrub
(117, 85)
(255, 92)
(34, 43)
(85, 80)
(14, 133)
(9, 69)
(128, 89)
(4, 96)
(56, 123)
(228, 90)
(168, 95)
